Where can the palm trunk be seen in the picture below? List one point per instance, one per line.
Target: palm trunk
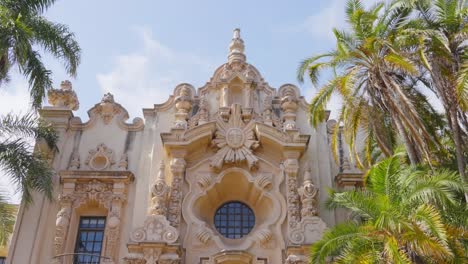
(458, 141)
(413, 157)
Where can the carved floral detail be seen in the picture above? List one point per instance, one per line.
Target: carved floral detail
(100, 158)
(235, 140)
(155, 229)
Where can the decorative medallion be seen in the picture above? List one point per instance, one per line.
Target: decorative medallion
(100, 158)
(235, 140)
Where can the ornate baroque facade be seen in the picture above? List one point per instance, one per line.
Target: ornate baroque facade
(161, 182)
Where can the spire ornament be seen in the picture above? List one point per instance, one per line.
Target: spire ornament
(236, 57)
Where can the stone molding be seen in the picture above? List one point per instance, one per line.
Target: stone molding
(267, 234)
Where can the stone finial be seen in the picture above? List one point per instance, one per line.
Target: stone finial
(236, 48)
(289, 104)
(64, 97)
(107, 108)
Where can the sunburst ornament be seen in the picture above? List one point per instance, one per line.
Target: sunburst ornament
(235, 140)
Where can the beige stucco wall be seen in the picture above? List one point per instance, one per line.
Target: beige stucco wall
(289, 154)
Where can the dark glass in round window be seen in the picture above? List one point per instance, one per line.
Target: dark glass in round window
(234, 220)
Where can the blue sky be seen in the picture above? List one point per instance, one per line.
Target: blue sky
(140, 50)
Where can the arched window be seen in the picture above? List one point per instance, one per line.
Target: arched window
(234, 219)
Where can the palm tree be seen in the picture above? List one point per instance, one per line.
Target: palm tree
(398, 218)
(28, 170)
(22, 30)
(440, 33)
(373, 75)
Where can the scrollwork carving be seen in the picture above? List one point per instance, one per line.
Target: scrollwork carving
(155, 229)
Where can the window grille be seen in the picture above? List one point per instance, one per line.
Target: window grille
(89, 240)
(234, 219)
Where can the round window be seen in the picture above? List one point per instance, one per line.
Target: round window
(234, 219)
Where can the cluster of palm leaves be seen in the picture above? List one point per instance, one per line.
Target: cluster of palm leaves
(24, 30)
(406, 214)
(393, 56)
(385, 65)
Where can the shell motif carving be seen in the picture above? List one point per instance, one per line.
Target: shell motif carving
(264, 181)
(204, 181)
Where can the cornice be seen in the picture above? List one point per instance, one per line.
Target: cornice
(88, 175)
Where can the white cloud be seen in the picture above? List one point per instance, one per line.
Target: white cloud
(148, 76)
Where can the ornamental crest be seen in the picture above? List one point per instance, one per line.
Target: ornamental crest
(235, 140)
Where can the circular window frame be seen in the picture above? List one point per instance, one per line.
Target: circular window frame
(242, 234)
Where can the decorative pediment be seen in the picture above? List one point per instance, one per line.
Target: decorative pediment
(107, 111)
(235, 140)
(155, 229)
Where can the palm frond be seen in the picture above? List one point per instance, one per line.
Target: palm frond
(7, 219)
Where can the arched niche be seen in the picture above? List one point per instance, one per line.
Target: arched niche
(209, 191)
(236, 86)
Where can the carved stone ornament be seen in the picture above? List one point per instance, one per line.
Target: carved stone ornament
(100, 158)
(159, 193)
(202, 116)
(297, 259)
(183, 104)
(123, 162)
(75, 161)
(64, 97)
(291, 167)
(155, 229)
(107, 108)
(235, 140)
(309, 230)
(134, 258)
(289, 104)
(309, 196)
